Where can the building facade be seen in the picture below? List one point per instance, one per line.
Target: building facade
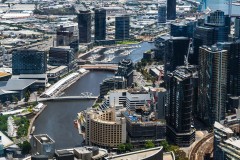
(112, 83)
(212, 84)
(68, 36)
(62, 56)
(125, 69)
(84, 26)
(100, 24)
(162, 14)
(171, 9)
(179, 111)
(122, 27)
(29, 62)
(105, 128)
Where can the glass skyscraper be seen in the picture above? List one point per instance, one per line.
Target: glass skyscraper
(100, 24)
(171, 9)
(84, 26)
(122, 27)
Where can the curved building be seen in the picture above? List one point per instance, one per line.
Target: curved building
(104, 128)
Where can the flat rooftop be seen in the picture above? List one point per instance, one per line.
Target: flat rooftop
(138, 155)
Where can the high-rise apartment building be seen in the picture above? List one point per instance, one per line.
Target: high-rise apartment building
(212, 84)
(84, 26)
(26, 61)
(233, 74)
(122, 27)
(162, 14)
(179, 109)
(68, 36)
(100, 24)
(125, 69)
(171, 9)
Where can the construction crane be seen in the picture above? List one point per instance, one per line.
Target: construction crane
(190, 51)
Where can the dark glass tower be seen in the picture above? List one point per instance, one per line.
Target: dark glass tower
(125, 69)
(162, 10)
(122, 27)
(179, 109)
(171, 9)
(84, 26)
(177, 49)
(100, 24)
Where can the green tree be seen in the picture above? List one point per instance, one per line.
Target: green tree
(14, 98)
(27, 96)
(121, 148)
(180, 155)
(26, 147)
(128, 146)
(149, 144)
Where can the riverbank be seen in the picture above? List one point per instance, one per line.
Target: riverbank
(32, 120)
(61, 85)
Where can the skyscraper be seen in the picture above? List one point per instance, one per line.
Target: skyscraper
(125, 69)
(122, 27)
(26, 61)
(100, 24)
(171, 9)
(162, 11)
(177, 49)
(233, 74)
(237, 27)
(212, 84)
(67, 36)
(180, 107)
(84, 26)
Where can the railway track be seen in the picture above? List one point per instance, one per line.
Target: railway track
(193, 155)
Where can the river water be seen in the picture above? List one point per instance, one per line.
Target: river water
(221, 5)
(57, 118)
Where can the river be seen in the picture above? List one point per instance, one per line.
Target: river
(57, 118)
(221, 5)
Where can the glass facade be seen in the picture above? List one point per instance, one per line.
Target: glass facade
(171, 9)
(29, 62)
(84, 26)
(100, 24)
(122, 27)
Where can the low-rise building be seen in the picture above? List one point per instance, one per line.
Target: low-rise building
(42, 144)
(112, 83)
(146, 154)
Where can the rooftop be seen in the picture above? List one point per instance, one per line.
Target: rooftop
(138, 155)
(219, 126)
(18, 84)
(234, 142)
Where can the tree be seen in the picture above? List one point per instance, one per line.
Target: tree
(26, 147)
(180, 155)
(128, 146)
(15, 99)
(121, 148)
(27, 96)
(149, 144)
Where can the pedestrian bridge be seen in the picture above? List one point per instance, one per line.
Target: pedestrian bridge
(65, 98)
(109, 67)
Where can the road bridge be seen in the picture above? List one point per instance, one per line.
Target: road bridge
(109, 67)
